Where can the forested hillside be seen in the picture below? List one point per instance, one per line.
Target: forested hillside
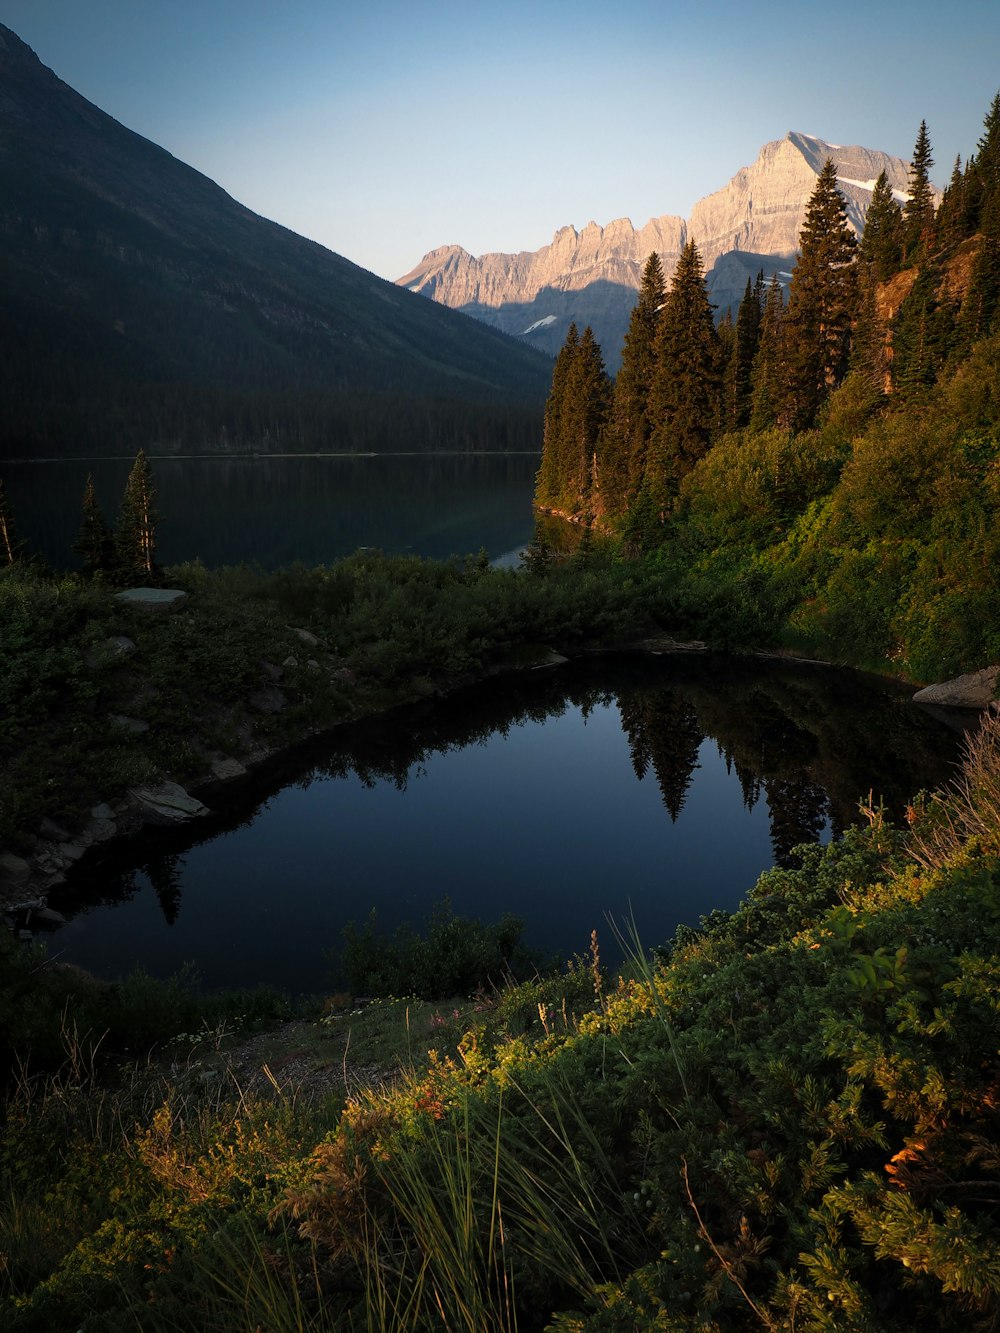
(144, 307)
(837, 453)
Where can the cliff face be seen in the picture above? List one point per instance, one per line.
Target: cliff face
(592, 276)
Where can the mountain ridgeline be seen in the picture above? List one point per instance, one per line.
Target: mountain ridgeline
(592, 276)
(834, 459)
(144, 307)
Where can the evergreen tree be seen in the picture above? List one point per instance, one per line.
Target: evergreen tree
(625, 461)
(584, 424)
(742, 352)
(95, 543)
(982, 301)
(922, 336)
(822, 302)
(766, 375)
(684, 394)
(135, 535)
(951, 223)
(10, 545)
(918, 211)
(549, 483)
(880, 250)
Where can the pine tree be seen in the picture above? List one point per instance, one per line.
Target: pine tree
(951, 223)
(684, 394)
(981, 306)
(584, 423)
(549, 483)
(821, 305)
(922, 337)
(625, 461)
(135, 535)
(766, 375)
(739, 369)
(918, 211)
(880, 250)
(10, 545)
(95, 543)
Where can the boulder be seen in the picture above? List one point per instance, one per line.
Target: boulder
(169, 802)
(133, 724)
(976, 689)
(154, 599)
(109, 651)
(13, 867)
(225, 769)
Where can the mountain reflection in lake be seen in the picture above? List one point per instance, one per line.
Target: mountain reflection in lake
(661, 786)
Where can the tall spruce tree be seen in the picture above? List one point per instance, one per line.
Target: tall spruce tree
(549, 482)
(880, 249)
(918, 211)
(10, 544)
(135, 535)
(981, 307)
(95, 542)
(821, 305)
(766, 376)
(628, 436)
(684, 394)
(743, 350)
(584, 423)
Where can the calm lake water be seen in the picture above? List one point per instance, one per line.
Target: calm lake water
(273, 510)
(660, 787)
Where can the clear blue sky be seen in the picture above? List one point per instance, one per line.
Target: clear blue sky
(383, 128)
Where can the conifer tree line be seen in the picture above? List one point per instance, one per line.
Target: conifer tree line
(619, 452)
(125, 554)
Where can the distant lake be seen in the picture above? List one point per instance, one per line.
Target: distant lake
(274, 510)
(655, 787)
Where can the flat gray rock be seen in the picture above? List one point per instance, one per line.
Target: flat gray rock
(973, 690)
(154, 599)
(170, 801)
(226, 769)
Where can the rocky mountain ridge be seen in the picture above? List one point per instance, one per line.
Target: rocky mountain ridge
(592, 275)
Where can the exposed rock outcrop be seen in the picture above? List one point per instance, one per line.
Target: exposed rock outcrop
(976, 689)
(592, 276)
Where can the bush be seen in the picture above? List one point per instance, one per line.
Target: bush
(456, 956)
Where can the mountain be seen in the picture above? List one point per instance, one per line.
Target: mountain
(142, 305)
(592, 276)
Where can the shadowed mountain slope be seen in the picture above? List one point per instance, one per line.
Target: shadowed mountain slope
(142, 305)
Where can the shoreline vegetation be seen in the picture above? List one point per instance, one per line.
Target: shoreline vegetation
(785, 1118)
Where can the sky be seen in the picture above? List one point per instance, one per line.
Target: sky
(386, 128)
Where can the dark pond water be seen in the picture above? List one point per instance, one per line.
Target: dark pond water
(658, 786)
(271, 511)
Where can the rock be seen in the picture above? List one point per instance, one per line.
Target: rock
(71, 851)
(13, 867)
(268, 700)
(310, 640)
(100, 830)
(48, 828)
(25, 936)
(550, 658)
(290, 661)
(974, 690)
(225, 769)
(312, 664)
(49, 916)
(109, 651)
(133, 724)
(169, 801)
(102, 811)
(154, 599)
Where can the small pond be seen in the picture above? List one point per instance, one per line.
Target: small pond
(659, 787)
